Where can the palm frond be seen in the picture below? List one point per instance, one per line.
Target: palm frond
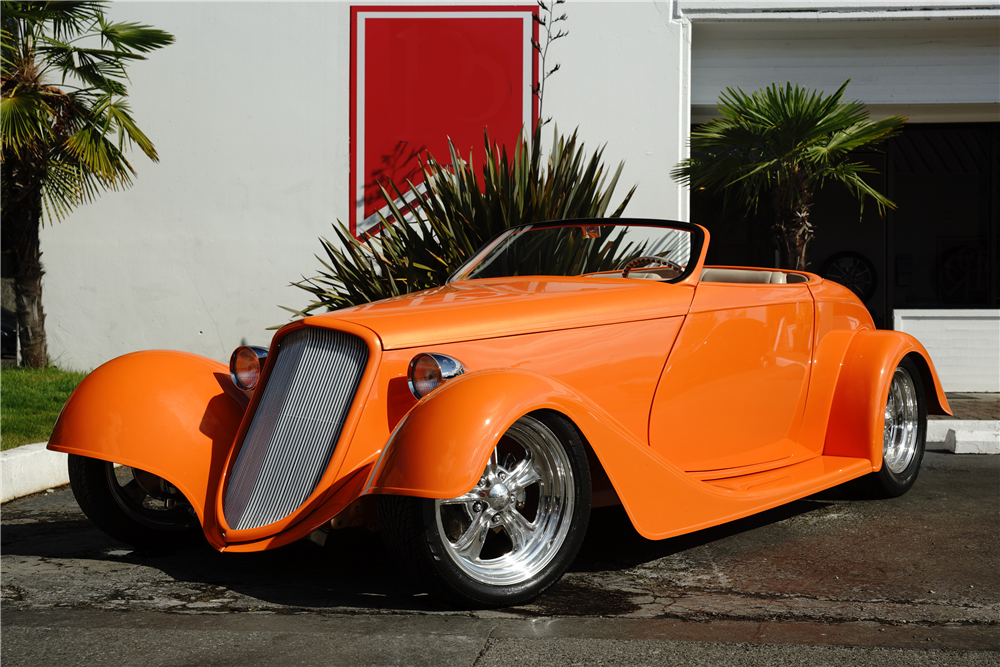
(24, 119)
(62, 19)
(100, 156)
(64, 102)
(129, 37)
(120, 117)
(100, 69)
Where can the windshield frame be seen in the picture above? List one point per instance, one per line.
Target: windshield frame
(697, 240)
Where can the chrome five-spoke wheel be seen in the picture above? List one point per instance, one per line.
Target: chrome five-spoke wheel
(510, 526)
(513, 534)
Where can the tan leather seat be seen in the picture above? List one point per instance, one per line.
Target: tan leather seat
(743, 276)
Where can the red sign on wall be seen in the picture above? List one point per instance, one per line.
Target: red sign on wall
(422, 75)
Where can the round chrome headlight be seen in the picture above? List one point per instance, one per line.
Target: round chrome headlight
(246, 364)
(428, 371)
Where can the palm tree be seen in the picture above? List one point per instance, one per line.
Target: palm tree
(782, 145)
(66, 124)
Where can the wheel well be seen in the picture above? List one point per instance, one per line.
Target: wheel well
(602, 491)
(930, 393)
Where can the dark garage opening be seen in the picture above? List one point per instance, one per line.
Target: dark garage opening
(940, 248)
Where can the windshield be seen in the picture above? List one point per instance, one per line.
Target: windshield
(636, 249)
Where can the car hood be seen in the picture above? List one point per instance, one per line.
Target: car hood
(495, 307)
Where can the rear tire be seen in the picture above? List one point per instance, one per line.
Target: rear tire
(131, 505)
(904, 433)
(514, 534)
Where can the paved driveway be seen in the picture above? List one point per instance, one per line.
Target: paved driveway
(825, 581)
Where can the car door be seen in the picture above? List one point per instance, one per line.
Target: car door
(733, 389)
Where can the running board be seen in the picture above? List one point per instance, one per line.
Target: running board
(800, 479)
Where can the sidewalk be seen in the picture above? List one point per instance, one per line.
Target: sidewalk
(972, 406)
(974, 429)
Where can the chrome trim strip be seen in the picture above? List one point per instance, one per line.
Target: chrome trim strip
(370, 482)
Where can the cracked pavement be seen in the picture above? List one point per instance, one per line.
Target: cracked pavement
(825, 580)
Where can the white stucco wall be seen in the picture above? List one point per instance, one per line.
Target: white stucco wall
(249, 114)
(964, 345)
(624, 82)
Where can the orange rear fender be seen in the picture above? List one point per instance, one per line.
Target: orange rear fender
(855, 427)
(173, 414)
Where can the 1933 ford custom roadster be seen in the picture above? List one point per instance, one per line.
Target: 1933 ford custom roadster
(567, 365)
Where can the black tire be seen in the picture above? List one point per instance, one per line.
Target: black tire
(904, 433)
(539, 531)
(133, 506)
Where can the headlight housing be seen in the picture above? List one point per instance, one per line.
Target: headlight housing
(428, 371)
(245, 366)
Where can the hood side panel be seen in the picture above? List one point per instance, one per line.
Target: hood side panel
(481, 309)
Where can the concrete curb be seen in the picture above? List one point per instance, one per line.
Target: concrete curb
(32, 468)
(966, 436)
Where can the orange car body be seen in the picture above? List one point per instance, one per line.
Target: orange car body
(699, 402)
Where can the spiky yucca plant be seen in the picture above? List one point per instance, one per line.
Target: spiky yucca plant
(455, 214)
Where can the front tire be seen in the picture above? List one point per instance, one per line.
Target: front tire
(904, 433)
(131, 505)
(514, 534)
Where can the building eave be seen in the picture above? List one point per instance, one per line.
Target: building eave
(832, 10)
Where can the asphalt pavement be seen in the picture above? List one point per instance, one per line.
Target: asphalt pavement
(829, 580)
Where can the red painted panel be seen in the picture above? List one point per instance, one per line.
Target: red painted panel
(422, 75)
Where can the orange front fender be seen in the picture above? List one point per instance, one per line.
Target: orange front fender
(855, 428)
(173, 414)
(441, 446)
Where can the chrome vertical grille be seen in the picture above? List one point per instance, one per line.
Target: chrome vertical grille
(296, 426)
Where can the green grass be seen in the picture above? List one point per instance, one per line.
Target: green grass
(30, 403)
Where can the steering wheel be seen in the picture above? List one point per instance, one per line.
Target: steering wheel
(649, 259)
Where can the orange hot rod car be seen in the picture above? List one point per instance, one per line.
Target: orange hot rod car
(567, 365)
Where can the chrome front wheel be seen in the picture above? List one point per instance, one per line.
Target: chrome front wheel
(511, 536)
(511, 525)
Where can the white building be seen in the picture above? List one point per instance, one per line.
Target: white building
(250, 111)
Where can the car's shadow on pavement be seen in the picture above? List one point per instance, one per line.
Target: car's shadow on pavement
(612, 542)
(353, 569)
